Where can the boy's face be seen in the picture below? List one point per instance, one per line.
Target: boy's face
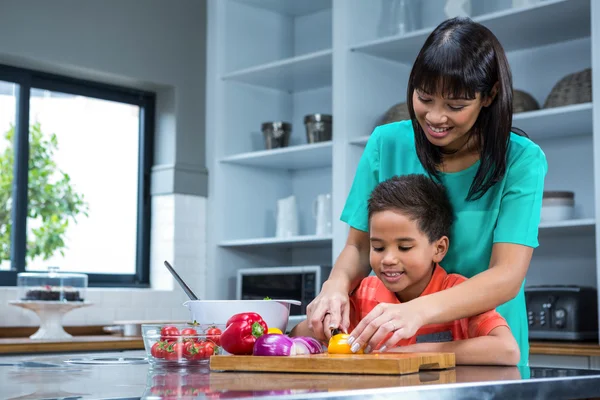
(401, 254)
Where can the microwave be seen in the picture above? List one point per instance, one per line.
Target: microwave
(301, 283)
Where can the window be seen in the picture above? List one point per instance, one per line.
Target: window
(77, 169)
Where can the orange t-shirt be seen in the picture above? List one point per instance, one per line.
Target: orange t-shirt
(372, 292)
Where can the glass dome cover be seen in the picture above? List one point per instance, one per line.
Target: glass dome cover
(52, 286)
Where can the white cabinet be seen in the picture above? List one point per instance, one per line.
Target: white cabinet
(271, 60)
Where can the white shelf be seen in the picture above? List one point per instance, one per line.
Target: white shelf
(546, 123)
(293, 8)
(293, 241)
(296, 74)
(517, 29)
(569, 227)
(303, 156)
(360, 141)
(564, 121)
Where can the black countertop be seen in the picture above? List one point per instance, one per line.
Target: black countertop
(75, 376)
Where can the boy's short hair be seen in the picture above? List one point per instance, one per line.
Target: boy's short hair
(420, 199)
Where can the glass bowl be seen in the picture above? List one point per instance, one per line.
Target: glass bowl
(181, 344)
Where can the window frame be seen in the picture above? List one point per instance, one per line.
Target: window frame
(28, 79)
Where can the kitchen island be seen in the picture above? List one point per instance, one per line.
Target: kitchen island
(126, 375)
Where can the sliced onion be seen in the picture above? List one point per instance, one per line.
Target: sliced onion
(274, 344)
(307, 345)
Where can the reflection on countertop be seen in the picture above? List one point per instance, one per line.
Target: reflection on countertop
(53, 376)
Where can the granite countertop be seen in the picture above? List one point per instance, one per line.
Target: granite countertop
(65, 376)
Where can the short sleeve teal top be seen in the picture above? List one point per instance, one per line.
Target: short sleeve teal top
(509, 212)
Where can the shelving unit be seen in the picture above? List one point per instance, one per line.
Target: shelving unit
(305, 72)
(584, 226)
(537, 28)
(292, 241)
(303, 156)
(282, 59)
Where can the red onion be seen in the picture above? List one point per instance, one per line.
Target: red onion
(307, 345)
(273, 344)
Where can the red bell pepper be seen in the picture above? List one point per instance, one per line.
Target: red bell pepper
(241, 332)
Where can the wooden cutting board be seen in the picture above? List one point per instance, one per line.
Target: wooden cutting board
(380, 364)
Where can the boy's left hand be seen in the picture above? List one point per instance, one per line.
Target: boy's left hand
(402, 320)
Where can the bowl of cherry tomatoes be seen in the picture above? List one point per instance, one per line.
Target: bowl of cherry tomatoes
(182, 344)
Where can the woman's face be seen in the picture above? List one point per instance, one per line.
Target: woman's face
(447, 121)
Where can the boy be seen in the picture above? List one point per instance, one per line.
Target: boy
(409, 224)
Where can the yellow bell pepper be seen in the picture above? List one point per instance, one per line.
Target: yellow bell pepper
(338, 344)
(275, 330)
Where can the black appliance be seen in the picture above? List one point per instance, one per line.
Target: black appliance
(562, 312)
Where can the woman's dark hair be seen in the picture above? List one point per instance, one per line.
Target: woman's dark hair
(461, 58)
(419, 198)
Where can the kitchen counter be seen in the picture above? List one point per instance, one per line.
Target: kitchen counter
(99, 342)
(71, 375)
(77, 343)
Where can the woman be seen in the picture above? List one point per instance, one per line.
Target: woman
(460, 101)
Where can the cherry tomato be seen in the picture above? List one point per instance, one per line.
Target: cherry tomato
(189, 350)
(174, 351)
(189, 334)
(194, 351)
(209, 349)
(169, 333)
(158, 350)
(214, 335)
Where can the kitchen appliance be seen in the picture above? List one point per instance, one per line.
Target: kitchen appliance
(562, 312)
(322, 214)
(318, 127)
(301, 283)
(276, 134)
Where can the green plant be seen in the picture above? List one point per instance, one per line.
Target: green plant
(52, 201)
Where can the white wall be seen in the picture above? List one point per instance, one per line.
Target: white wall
(151, 44)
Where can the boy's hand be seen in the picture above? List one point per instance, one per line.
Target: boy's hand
(391, 321)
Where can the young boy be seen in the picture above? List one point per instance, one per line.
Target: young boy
(409, 226)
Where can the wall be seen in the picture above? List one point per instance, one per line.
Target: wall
(155, 45)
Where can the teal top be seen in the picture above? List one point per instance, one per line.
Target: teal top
(509, 212)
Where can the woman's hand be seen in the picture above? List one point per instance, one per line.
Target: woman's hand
(392, 321)
(330, 309)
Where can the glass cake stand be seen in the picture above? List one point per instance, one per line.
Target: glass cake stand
(51, 314)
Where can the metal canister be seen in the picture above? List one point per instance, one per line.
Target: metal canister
(318, 127)
(276, 134)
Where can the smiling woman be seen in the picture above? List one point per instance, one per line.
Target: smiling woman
(459, 97)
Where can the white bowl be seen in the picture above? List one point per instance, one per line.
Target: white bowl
(274, 312)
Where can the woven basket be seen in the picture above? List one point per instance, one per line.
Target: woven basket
(574, 88)
(523, 101)
(397, 112)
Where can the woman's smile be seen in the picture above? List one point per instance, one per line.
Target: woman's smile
(438, 133)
